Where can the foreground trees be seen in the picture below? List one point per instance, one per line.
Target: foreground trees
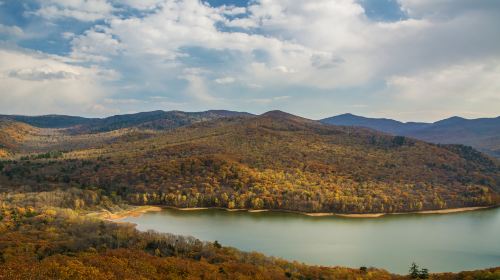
(56, 243)
(47, 242)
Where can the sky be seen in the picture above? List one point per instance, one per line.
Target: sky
(411, 60)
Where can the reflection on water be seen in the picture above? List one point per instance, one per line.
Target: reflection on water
(451, 242)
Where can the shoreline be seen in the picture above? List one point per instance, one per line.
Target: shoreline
(137, 211)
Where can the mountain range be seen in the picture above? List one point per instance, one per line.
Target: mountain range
(237, 160)
(482, 134)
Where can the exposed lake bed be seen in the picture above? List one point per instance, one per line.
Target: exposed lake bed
(448, 242)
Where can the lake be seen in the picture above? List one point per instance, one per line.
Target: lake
(439, 242)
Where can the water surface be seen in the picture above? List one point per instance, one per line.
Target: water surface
(449, 242)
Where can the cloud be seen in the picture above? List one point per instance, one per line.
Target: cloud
(231, 10)
(284, 69)
(446, 8)
(95, 45)
(462, 82)
(225, 80)
(197, 88)
(83, 10)
(186, 49)
(35, 83)
(41, 74)
(11, 30)
(143, 4)
(474, 85)
(325, 61)
(266, 101)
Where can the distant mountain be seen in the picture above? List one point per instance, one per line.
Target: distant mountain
(381, 124)
(50, 121)
(156, 120)
(482, 134)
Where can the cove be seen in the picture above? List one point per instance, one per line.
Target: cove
(439, 242)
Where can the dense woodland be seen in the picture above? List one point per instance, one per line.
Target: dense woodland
(274, 161)
(56, 243)
(53, 181)
(41, 240)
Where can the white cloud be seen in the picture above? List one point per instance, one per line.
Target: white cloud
(445, 8)
(11, 30)
(68, 35)
(42, 73)
(35, 83)
(143, 4)
(83, 10)
(197, 88)
(463, 82)
(473, 85)
(95, 46)
(231, 10)
(322, 45)
(266, 101)
(225, 80)
(284, 69)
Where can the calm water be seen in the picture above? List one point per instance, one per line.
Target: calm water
(452, 242)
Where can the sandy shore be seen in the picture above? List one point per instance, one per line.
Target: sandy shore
(377, 215)
(133, 212)
(257, 210)
(316, 214)
(441, 211)
(368, 215)
(447, 211)
(137, 211)
(191, 209)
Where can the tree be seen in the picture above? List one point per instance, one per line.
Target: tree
(417, 273)
(424, 273)
(414, 271)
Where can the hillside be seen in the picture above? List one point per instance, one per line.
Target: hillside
(274, 161)
(12, 135)
(49, 121)
(380, 124)
(41, 240)
(156, 120)
(19, 139)
(22, 135)
(482, 134)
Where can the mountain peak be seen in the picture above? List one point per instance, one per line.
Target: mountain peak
(451, 120)
(347, 115)
(276, 113)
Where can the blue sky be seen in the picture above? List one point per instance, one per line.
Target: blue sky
(404, 59)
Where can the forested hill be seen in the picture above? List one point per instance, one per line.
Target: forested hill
(482, 134)
(146, 120)
(12, 134)
(49, 133)
(274, 161)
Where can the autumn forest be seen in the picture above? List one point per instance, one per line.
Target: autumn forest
(56, 177)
